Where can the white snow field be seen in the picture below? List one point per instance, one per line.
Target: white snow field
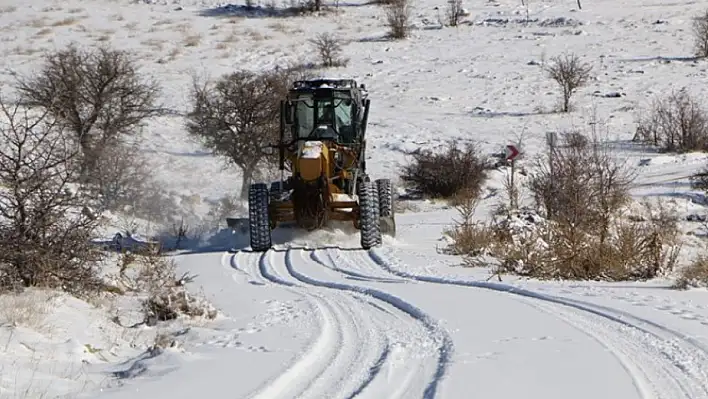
(319, 318)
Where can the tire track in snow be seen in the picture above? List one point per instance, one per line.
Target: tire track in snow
(445, 345)
(333, 254)
(349, 348)
(363, 342)
(294, 380)
(685, 358)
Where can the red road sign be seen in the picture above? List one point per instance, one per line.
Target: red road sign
(511, 152)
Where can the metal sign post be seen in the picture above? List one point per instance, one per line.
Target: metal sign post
(511, 153)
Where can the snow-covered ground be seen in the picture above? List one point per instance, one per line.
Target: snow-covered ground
(318, 318)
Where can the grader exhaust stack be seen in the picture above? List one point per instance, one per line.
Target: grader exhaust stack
(322, 148)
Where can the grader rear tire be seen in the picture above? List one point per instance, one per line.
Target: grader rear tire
(386, 211)
(369, 227)
(258, 218)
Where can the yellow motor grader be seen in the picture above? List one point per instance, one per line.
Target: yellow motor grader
(322, 145)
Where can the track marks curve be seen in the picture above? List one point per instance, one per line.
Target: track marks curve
(684, 360)
(444, 342)
(355, 353)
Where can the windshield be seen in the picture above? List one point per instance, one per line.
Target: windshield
(331, 113)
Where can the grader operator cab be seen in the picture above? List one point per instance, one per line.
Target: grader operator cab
(322, 146)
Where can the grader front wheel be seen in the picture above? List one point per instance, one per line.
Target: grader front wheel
(258, 218)
(369, 226)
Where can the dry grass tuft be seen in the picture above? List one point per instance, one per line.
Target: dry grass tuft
(26, 309)
(66, 21)
(43, 32)
(192, 40)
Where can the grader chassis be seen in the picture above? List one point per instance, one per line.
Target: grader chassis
(322, 146)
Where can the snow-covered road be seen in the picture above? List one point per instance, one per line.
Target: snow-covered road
(364, 324)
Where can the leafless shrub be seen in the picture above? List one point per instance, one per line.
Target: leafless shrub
(525, 244)
(454, 12)
(238, 115)
(121, 178)
(700, 34)
(329, 49)
(44, 235)
(168, 298)
(676, 123)
(571, 74)
(447, 173)
(631, 250)
(582, 192)
(694, 274)
(580, 183)
(398, 13)
(471, 238)
(98, 94)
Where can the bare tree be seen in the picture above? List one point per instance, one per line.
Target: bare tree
(571, 74)
(700, 34)
(454, 12)
(44, 234)
(398, 13)
(97, 93)
(237, 116)
(329, 49)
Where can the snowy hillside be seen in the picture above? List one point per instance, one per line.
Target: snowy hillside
(318, 317)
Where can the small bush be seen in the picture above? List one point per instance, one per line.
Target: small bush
(694, 275)
(676, 123)
(398, 13)
(167, 297)
(447, 173)
(330, 50)
(571, 74)
(700, 34)
(174, 303)
(471, 238)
